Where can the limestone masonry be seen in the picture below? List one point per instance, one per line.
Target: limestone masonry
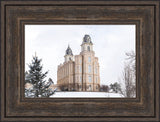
(80, 72)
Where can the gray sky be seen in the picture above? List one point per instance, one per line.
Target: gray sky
(110, 44)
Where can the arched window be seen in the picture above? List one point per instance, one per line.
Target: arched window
(88, 48)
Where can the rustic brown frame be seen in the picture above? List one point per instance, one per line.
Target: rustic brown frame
(15, 14)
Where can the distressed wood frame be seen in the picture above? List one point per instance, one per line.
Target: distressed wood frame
(15, 14)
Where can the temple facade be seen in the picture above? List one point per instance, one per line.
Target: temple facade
(79, 72)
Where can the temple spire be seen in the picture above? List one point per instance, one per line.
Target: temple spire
(87, 44)
(69, 51)
(68, 54)
(87, 39)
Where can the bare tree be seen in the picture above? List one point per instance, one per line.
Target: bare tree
(128, 76)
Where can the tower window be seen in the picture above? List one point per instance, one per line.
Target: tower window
(88, 48)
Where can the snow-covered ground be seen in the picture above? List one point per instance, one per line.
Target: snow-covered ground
(85, 94)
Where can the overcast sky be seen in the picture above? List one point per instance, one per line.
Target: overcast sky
(50, 42)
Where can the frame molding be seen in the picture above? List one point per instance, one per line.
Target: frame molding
(15, 14)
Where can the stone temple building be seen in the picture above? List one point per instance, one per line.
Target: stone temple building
(80, 72)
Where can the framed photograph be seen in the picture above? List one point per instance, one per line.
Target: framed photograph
(82, 74)
(80, 61)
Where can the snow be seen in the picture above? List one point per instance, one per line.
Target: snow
(85, 95)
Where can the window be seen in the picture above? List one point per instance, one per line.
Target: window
(80, 86)
(96, 87)
(96, 70)
(88, 48)
(80, 61)
(80, 69)
(90, 78)
(89, 59)
(80, 79)
(89, 68)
